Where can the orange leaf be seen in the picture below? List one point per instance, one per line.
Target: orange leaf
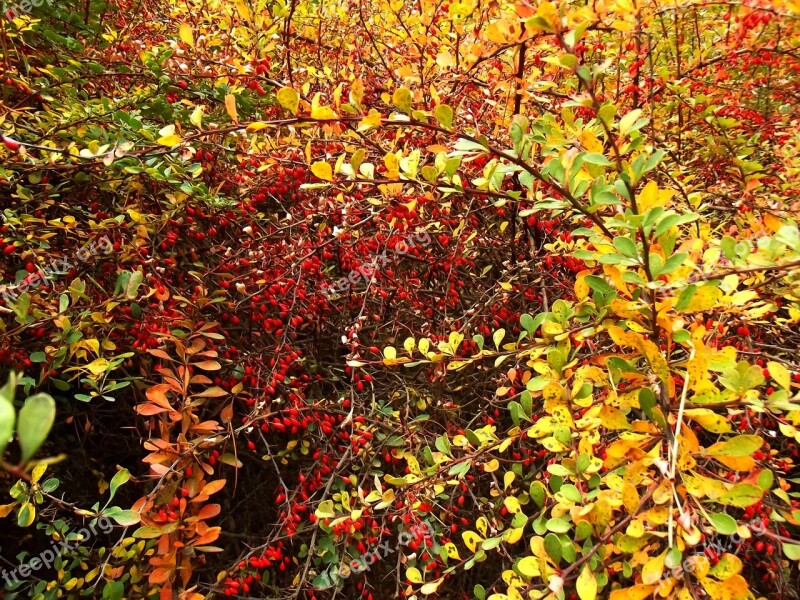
(159, 576)
(148, 410)
(209, 511)
(209, 537)
(213, 487)
(208, 365)
(157, 395)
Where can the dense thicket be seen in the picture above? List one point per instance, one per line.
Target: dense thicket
(400, 299)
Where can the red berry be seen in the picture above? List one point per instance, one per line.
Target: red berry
(11, 144)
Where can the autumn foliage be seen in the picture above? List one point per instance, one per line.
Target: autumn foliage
(400, 299)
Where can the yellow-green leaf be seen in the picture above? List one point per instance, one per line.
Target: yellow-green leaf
(289, 99)
(780, 374)
(402, 99)
(196, 118)
(587, 584)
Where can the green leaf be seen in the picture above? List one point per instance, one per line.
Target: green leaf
(498, 336)
(325, 510)
(594, 158)
(557, 525)
(125, 518)
(647, 400)
(723, 523)
(629, 122)
(792, 551)
(38, 357)
(134, 282)
(113, 590)
(741, 445)
(444, 115)
(527, 322)
(26, 514)
(120, 477)
(685, 297)
(8, 414)
(674, 261)
(672, 221)
(402, 99)
(552, 546)
(598, 284)
(626, 246)
(742, 495)
(149, 532)
(35, 421)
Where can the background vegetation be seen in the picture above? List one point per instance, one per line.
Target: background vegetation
(584, 384)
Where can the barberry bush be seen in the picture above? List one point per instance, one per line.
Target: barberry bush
(400, 299)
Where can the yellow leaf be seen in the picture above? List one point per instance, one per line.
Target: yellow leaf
(626, 309)
(529, 567)
(590, 142)
(452, 551)
(185, 33)
(170, 140)
(728, 566)
(653, 568)
(708, 420)
(471, 539)
(289, 99)
(257, 126)
(512, 505)
(630, 498)
(402, 99)
(430, 588)
(581, 287)
(704, 298)
(586, 584)
(357, 92)
(322, 170)
(98, 366)
(413, 575)
(733, 588)
(482, 524)
(501, 32)
(773, 223)
(196, 118)
(780, 374)
(373, 119)
(230, 106)
(637, 592)
(697, 367)
(243, 10)
(612, 418)
(491, 466)
(321, 113)
(548, 11)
